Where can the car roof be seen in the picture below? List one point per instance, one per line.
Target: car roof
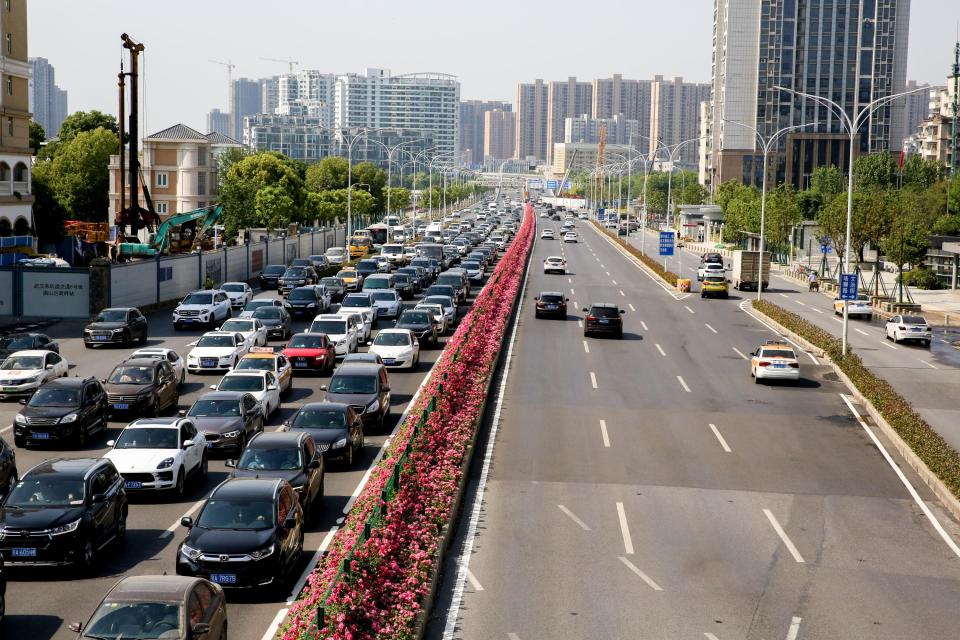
(146, 588)
(119, 309)
(157, 350)
(395, 330)
(604, 305)
(245, 372)
(66, 382)
(30, 352)
(157, 423)
(774, 344)
(554, 257)
(273, 438)
(221, 333)
(247, 488)
(77, 467)
(370, 368)
(23, 334)
(551, 293)
(259, 354)
(328, 316)
(325, 405)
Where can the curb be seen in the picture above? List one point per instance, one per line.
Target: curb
(671, 289)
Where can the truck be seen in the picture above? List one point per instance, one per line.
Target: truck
(745, 274)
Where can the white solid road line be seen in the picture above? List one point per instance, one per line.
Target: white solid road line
(632, 309)
(275, 624)
(913, 492)
(196, 505)
(723, 443)
(861, 331)
(740, 353)
(572, 292)
(614, 282)
(603, 432)
(624, 530)
(473, 580)
(572, 516)
(593, 380)
(622, 293)
(660, 349)
(764, 323)
(794, 628)
(5, 429)
(650, 583)
(586, 347)
(709, 327)
(689, 309)
(683, 384)
(710, 636)
(927, 363)
(292, 596)
(783, 536)
(579, 322)
(642, 323)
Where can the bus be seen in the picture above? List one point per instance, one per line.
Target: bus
(378, 233)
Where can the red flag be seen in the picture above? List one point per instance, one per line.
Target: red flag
(903, 153)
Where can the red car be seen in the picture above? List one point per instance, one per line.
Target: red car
(310, 352)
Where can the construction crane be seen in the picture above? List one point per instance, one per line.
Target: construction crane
(289, 61)
(229, 65)
(601, 151)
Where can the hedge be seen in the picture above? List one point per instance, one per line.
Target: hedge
(942, 459)
(669, 276)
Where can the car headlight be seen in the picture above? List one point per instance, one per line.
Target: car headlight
(190, 552)
(232, 434)
(339, 444)
(341, 342)
(70, 527)
(204, 314)
(118, 330)
(70, 417)
(166, 463)
(373, 406)
(19, 419)
(311, 305)
(191, 358)
(260, 554)
(224, 359)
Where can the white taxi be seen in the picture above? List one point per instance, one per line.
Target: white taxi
(262, 385)
(23, 372)
(774, 360)
(216, 351)
(859, 307)
(266, 359)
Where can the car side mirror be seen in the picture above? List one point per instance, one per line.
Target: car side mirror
(182, 413)
(187, 444)
(585, 310)
(566, 299)
(289, 523)
(23, 401)
(111, 443)
(199, 629)
(385, 389)
(621, 311)
(76, 627)
(103, 381)
(314, 464)
(213, 387)
(186, 521)
(230, 462)
(323, 387)
(49, 367)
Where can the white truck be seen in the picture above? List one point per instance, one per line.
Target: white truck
(745, 274)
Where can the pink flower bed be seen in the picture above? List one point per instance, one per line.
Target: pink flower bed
(389, 574)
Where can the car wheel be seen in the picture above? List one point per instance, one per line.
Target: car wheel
(926, 343)
(143, 338)
(179, 488)
(81, 436)
(204, 468)
(895, 339)
(183, 377)
(122, 529)
(85, 562)
(351, 455)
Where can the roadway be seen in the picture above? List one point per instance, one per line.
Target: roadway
(647, 488)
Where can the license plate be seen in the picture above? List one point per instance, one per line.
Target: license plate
(188, 319)
(604, 322)
(916, 330)
(41, 436)
(300, 364)
(208, 363)
(779, 366)
(551, 307)
(100, 338)
(388, 361)
(121, 406)
(8, 389)
(209, 445)
(133, 484)
(24, 552)
(223, 578)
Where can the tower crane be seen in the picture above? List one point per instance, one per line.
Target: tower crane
(289, 61)
(229, 65)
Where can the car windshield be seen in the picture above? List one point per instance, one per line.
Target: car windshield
(53, 397)
(111, 315)
(214, 409)
(367, 264)
(253, 305)
(16, 342)
(233, 288)
(131, 375)
(198, 298)
(286, 458)
(330, 327)
(147, 438)
(295, 272)
(384, 296)
(241, 383)
(238, 325)
(303, 294)
(415, 317)
(353, 384)
(274, 270)
(376, 283)
(778, 353)
(19, 363)
(140, 620)
(256, 364)
(300, 262)
(385, 339)
(914, 320)
(391, 248)
(268, 313)
(355, 300)
(450, 279)
(550, 297)
(306, 342)
(470, 264)
(346, 274)
(332, 282)
(336, 251)
(46, 490)
(444, 301)
(215, 341)
(320, 419)
(604, 312)
(237, 514)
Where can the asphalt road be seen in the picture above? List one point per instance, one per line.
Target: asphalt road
(647, 488)
(41, 603)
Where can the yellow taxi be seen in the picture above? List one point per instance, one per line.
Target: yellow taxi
(714, 286)
(774, 360)
(266, 359)
(350, 278)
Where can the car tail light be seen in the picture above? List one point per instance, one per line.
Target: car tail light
(794, 365)
(539, 304)
(591, 318)
(763, 363)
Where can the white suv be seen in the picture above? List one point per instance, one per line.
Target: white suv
(156, 454)
(209, 307)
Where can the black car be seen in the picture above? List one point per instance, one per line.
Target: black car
(318, 261)
(277, 321)
(295, 277)
(119, 325)
(420, 323)
(443, 290)
(248, 534)
(336, 429)
(63, 411)
(270, 276)
(711, 258)
(424, 264)
(3, 591)
(294, 457)
(603, 317)
(367, 268)
(336, 286)
(8, 469)
(227, 419)
(63, 512)
(305, 302)
(142, 386)
(300, 262)
(13, 342)
(365, 387)
(551, 304)
(416, 277)
(403, 283)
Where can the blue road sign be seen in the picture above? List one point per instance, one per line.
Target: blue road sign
(601, 214)
(848, 286)
(825, 248)
(666, 243)
(552, 184)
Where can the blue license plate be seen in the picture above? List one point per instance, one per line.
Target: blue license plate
(916, 330)
(122, 406)
(300, 364)
(388, 361)
(100, 338)
(188, 319)
(208, 363)
(223, 578)
(133, 484)
(604, 322)
(41, 436)
(779, 366)
(209, 445)
(551, 307)
(24, 552)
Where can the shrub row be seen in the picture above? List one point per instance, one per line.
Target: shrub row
(930, 447)
(669, 276)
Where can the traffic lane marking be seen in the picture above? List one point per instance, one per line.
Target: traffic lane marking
(624, 530)
(583, 525)
(660, 349)
(650, 583)
(783, 536)
(740, 353)
(683, 384)
(593, 380)
(603, 432)
(723, 442)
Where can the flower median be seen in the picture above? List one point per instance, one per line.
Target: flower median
(378, 568)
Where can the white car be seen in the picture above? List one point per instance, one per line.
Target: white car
(448, 305)
(859, 307)
(336, 255)
(436, 312)
(171, 356)
(216, 351)
(584, 216)
(159, 454)
(251, 329)
(775, 360)
(571, 236)
(266, 359)
(253, 305)
(362, 303)
(239, 293)
(547, 234)
(209, 307)
(398, 347)
(554, 264)
(262, 385)
(387, 303)
(22, 372)
(900, 328)
(393, 253)
(360, 323)
(339, 330)
(710, 269)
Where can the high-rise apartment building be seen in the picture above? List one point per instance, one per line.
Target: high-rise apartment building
(531, 121)
(218, 122)
(499, 134)
(269, 94)
(307, 93)
(565, 99)
(613, 96)
(472, 128)
(620, 130)
(16, 198)
(675, 116)
(299, 137)
(850, 51)
(48, 102)
(917, 107)
(246, 99)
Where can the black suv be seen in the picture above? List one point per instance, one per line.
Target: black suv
(8, 470)
(121, 325)
(336, 428)
(62, 512)
(711, 258)
(270, 276)
(65, 410)
(295, 277)
(603, 317)
(13, 342)
(365, 387)
(420, 323)
(142, 386)
(305, 302)
(227, 419)
(551, 303)
(367, 268)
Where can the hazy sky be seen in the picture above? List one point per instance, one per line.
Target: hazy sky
(490, 45)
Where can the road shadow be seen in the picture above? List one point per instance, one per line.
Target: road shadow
(632, 336)
(802, 383)
(36, 627)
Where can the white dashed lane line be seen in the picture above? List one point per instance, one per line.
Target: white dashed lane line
(709, 327)
(660, 349)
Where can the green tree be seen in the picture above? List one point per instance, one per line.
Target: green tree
(274, 207)
(870, 219)
(77, 176)
(826, 183)
(329, 173)
(37, 137)
(921, 174)
(77, 123)
(371, 174)
(227, 159)
(399, 198)
(947, 225)
(953, 193)
(692, 193)
(782, 214)
(48, 215)
(741, 209)
(832, 219)
(247, 177)
(875, 171)
(906, 241)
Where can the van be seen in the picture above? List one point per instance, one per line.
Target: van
(379, 281)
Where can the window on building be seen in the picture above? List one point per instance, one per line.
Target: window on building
(162, 208)
(9, 85)
(202, 157)
(202, 183)
(163, 179)
(9, 126)
(9, 44)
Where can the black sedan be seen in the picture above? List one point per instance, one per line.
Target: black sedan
(277, 321)
(227, 419)
(336, 286)
(551, 304)
(336, 428)
(420, 323)
(119, 325)
(14, 342)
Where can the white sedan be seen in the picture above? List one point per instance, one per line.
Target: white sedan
(339, 330)
(547, 234)
(171, 356)
(571, 236)
(398, 347)
(239, 293)
(554, 264)
(900, 328)
(23, 372)
(774, 361)
(262, 385)
(216, 351)
(158, 454)
(251, 329)
(436, 311)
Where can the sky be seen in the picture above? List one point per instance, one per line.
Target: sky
(490, 45)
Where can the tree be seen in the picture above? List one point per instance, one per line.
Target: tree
(921, 174)
(371, 174)
(78, 177)
(741, 210)
(329, 173)
(875, 171)
(244, 181)
(82, 121)
(782, 214)
(274, 207)
(399, 198)
(832, 219)
(953, 193)
(48, 215)
(227, 159)
(692, 193)
(826, 183)
(37, 137)
(906, 241)
(870, 218)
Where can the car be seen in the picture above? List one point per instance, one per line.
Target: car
(363, 357)
(421, 323)
(270, 276)
(351, 278)
(63, 411)
(900, 328)
(336, 287)
(714, 286)
(603, 317)
(774, 360)
(368, 267)
(378, 281)
(404, 285)
(255, 304)
(318, 262)
(267, 359)
(859, 307)
(362, 303)
(436, 315)
(359, 323)
(168, 607)
(555, 264)
(295, 277)
(341, 332)
(277, 321)
(141, 387)
(311, 352)
(457, 279)
(63, 513)
(399, 348)
(335, 427)
(9, 477)
(394, 253)
(13, 342)
(116, 325)
(387, 303)
(414, 276)
(366, 388)
(293, 457)
(442, 290)
(474, 269)
(159, 454)
(570, 236)
(307, 301)
(248, 534)
(262, 385)
(250, 328)
(584, 216)
(208, 306)
(23, 372)
(3, 591)
(161, 353)
(449, 308)
(336, 255)
(216, 351)
(711, 269)
(239, 293)
(227, 419)
(550, 303)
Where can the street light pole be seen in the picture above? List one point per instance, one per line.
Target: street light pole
(673, 150)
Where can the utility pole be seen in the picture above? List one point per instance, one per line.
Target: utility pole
(133, 130)
(955, 133)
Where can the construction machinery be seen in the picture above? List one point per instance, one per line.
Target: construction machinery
(179, 233)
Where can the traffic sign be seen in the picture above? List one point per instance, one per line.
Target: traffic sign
(666, 243)
(825, 248)
(552, 184)
(848, 286)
